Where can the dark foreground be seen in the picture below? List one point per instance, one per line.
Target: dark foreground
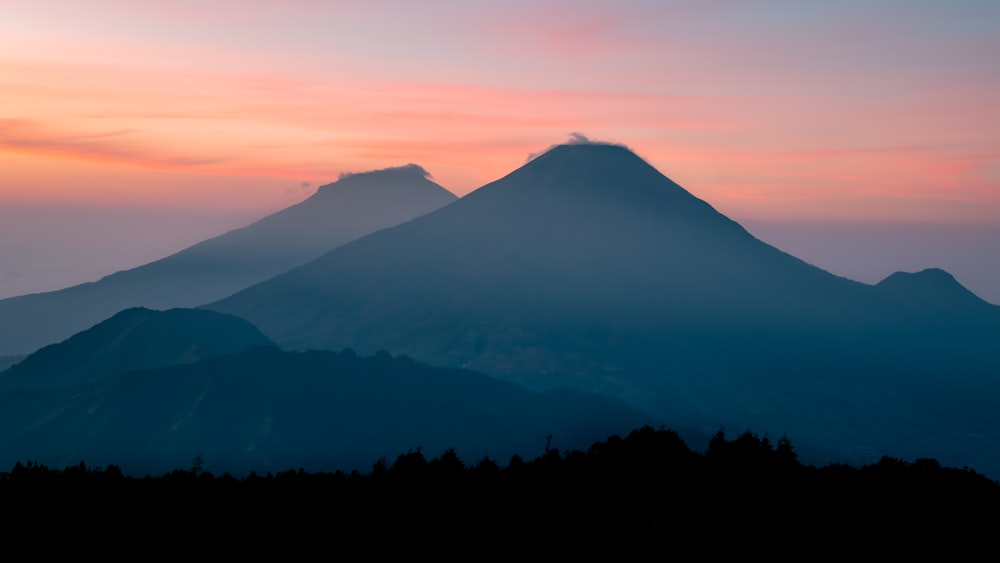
(645, 493)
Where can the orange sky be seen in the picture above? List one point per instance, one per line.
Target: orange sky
(804, 109)
(785, 110)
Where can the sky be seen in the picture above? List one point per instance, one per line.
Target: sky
(129, 130)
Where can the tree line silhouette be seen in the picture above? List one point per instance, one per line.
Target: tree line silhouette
(648, 488)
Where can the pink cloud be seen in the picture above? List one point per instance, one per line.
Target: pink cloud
(229, 110)
(20, 135)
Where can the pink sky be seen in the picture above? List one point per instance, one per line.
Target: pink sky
(786, 110)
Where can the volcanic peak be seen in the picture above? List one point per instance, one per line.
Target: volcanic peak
(395, 173)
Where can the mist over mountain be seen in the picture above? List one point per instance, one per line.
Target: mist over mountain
(583, 229)
(588, 267)
(355, 205)
(268, 410)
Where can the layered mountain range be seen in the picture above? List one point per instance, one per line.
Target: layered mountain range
(585, 269)
(584, 231)
(149, 391)
(589, 268)
(355, 205)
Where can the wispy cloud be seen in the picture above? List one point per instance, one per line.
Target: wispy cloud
(728, 96)
(123, 146)
(407, 169)
(575, 138)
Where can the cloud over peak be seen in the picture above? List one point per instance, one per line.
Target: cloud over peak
(575, 138)
(405, 170)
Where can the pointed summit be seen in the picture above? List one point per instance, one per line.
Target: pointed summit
(598, 174)
(583, 231)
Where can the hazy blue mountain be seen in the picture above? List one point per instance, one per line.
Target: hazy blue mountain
(134, 339)
(353, 206)
(580, 262)
(588, 267)
(268, 410)
(932, 289)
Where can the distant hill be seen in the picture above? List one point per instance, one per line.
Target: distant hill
(268, 410)
(355, 205)
(932, 289)
(588, 267)
(134, 339)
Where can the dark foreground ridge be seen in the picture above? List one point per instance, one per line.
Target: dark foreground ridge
(743, 496)
(266, 409)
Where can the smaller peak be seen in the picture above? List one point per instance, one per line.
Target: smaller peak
(411, 170)
(131, 310)
(935, 272)
(134, 312)
(929, 285)
(928, 275)
(392, 175)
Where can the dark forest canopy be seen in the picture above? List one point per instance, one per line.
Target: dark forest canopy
(646, 487)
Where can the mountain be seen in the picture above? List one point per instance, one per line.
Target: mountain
(588, 267)
(133, 339)
(586, 241)
(931, 288)
(355, 205)
(268, 410)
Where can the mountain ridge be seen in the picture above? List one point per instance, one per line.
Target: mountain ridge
(353, 206)
(588, 268)
(264, 409)
(519, 226)
(930, 283)
(133, 339)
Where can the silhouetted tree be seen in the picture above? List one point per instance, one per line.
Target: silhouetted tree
(784, 452)
(196, 464)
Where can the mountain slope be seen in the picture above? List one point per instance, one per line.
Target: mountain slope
(588, 267)
(133, 339)
(931, 288)
(353, 206)
(268, 410)
(589, 232)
